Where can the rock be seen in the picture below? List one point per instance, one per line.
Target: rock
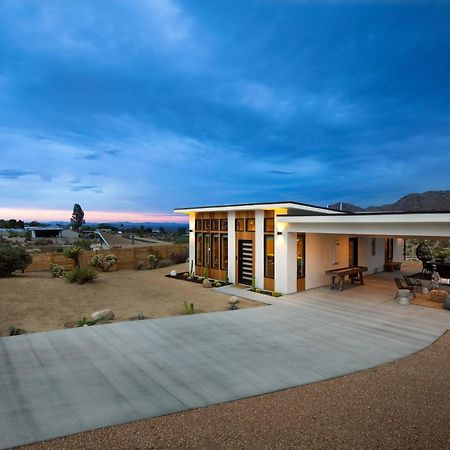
(173, 273)
(438, 295)
(233, 300)
(206, 283)
(105, 314)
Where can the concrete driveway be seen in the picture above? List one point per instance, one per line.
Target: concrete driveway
(67, 381)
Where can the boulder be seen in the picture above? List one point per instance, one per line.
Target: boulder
(173, 273)
(105, 314)
(233, 300)
(206, 283)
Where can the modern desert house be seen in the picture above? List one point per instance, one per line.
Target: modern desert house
(289, 246)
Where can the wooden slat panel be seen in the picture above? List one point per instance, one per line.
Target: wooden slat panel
(128, 257)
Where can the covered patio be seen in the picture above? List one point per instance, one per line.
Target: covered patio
(340, 241)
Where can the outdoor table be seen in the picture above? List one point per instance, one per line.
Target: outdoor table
(355, 273)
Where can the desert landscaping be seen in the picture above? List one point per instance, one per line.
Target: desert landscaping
(36, 302)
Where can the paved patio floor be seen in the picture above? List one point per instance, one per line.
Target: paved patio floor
(62, 382)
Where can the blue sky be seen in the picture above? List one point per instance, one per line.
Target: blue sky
(146, 105)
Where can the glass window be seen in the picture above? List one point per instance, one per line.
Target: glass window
(269, 225)
(206, 224)
(300, 255)
(269, 256)
(224, 251)
(250, 224)
(198, 224)
(207, 250)
(215, 251)
(223, 225)
(199, 249)
(215, 224)
(240, 225)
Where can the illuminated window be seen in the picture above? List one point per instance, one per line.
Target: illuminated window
(198, 224)
(224, 251)
(215, 251)
(250, 224)
(206, 224)
(240, 225)
(215, 224)
(199, 249)
(223, 225)
(269, 256)
(269, 225)
(300, 255)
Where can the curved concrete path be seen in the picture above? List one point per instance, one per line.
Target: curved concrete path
(67, 381)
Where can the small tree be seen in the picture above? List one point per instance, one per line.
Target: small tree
(74, 253)
(12, 259)
(77, 219)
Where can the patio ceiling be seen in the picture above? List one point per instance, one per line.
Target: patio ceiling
(402, 225)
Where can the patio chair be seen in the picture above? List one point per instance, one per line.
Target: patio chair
(401, 284)
(411, 282)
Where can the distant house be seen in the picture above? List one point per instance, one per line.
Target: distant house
(52, 233)
(290, 246)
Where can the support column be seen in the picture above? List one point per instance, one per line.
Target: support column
(259, 249)
(231, 246)
(285, 262)
(192, 241)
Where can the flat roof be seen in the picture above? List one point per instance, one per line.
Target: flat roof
(289, 204)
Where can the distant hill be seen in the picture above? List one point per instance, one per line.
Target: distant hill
(426, 201)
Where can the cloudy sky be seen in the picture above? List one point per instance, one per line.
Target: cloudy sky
(140, 106)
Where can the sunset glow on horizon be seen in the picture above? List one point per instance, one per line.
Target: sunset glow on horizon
(63, 215)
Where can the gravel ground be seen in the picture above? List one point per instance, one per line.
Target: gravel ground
(400, 405)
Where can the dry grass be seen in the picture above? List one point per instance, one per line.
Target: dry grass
(36, 302)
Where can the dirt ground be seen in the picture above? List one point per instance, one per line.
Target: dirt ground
(36, 302)
(400, 405)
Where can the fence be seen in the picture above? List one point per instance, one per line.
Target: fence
(128, 257)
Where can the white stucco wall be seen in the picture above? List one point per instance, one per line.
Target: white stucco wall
(398, 250)
(192, 241)
(319, 257)
(375, 263)
(231, 246)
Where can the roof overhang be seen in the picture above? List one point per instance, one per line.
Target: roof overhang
(426, 225)
(259, 206)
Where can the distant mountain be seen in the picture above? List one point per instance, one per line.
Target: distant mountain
(426, 201)
(154, 225)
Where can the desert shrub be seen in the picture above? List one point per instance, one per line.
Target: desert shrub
(152, 261)
(15, 331)
(74, 253)
(56, 271)
(233, 307)
(188, 308)
(217, 284)
(104, 262)
(140, 265)
(42, 242)
(85, 244)
(276, 294)
(164, 263)
(180, 257)
(80, 275)
(186, 275)
(82, 322)
(12, 259)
